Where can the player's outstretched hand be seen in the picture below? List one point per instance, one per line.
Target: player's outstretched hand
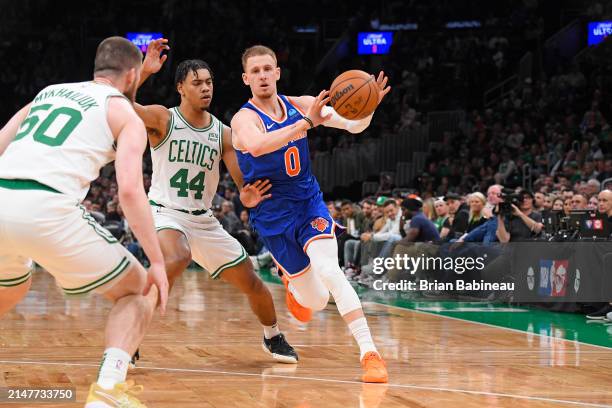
(383, 89)
(314, 112)
(154, 60)
(157, 276)
(253, 194)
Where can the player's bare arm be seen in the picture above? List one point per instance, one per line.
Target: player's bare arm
(250, 194)
(8, 132)
(249, 134)
(129, 131)
(229, 158)
(155, 117)
(337, 121)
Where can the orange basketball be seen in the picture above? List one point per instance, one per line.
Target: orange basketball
(354, 94)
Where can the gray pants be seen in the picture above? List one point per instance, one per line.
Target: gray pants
(351, 250)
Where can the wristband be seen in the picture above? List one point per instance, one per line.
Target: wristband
(309, 121)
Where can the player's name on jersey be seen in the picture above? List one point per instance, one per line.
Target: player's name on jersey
(190, 151)
(85, 101)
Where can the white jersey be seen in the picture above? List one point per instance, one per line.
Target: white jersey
(186, 164)
(65, 139)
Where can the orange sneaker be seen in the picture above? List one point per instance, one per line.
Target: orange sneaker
(374, 367)
(303, 314)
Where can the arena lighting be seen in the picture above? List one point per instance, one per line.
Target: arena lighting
(142, 40)
(463, 24)
(598, 31)
(395, 27)
(310, 29)
(378, 42)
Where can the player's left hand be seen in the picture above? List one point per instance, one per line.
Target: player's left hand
(383, 89)
(253, 194)
(153, 61)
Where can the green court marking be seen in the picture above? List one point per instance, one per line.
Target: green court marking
(569, 326)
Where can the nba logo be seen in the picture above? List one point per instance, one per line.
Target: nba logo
(545, 287)
(598, 224)
(589, 224)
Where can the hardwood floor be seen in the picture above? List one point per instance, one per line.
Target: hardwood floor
(207, 352)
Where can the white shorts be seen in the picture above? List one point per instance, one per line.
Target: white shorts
(212, 247)
(59, 235)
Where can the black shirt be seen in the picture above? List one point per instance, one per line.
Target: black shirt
(459, 226)
(518, 230)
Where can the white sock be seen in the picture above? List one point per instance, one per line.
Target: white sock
(113, 369)
(361, 333)
(271, 331)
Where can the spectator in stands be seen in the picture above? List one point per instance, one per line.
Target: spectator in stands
(593, 203)
(525, 223)
(111, 212)
(567, 206)
(507, 169)
(348, 243)
(476, 202)
(592, 186)
(429, 210)
(234, 197)
(493, 198)
(228, 218)
(457, 222)
(607, 171)
(419, 228)
(246, 235)
(538, 203)
(390, 232)
(558, 204)
(441, 208)
(94, 211)
(334, 212)
(547, 203)
(604, 204)
(367, 209)
(579, 202)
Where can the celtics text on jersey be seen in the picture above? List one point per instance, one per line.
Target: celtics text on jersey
(186, 164)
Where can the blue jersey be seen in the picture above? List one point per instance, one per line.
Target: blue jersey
(287, 168)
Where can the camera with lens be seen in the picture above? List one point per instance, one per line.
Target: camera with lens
(509, 197)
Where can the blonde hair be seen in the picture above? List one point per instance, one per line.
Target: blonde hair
(430, 209)
(255, 51)
(478, 195)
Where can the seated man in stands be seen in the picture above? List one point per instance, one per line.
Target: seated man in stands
(417, 232)
(414, 226)
(390, 232)
(457, 223)
(348, 243)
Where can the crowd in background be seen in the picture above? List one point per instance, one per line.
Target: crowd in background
(555, 124)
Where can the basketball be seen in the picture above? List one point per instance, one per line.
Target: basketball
(354, 94)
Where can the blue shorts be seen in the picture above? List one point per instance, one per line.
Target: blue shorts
(312, 222)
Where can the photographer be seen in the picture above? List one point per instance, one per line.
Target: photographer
(518, 223)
